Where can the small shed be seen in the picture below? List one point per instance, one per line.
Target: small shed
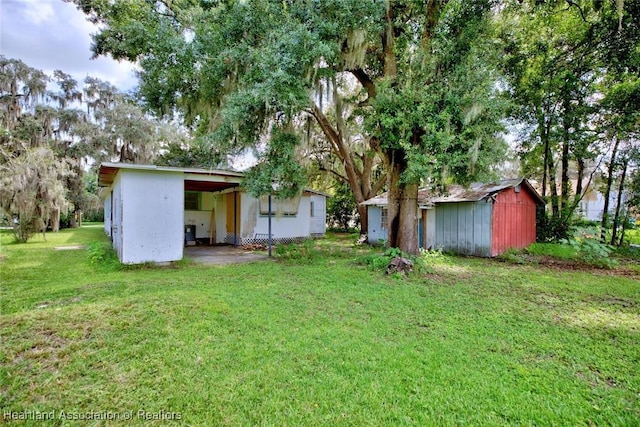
(480, 220)
(152, 212)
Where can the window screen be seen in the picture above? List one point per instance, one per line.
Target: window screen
(191, 201)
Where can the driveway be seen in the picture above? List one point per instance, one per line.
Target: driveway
(222, 255)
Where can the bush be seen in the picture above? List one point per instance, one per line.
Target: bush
(593, 252)
(103, 256)
(380, 261)
(551, 229)
(305, 251)
(513, 256)
(555, 250)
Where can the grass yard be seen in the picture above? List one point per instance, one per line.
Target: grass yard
(633, 236)
(315, 341)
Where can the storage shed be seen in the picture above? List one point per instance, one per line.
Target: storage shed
(152, 212)
(481, 220)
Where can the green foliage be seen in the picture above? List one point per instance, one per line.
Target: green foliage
(32, 190)
(342, 212)
(592, 251)
(103, 257)
(380, 261)
(445, 129)
(555, 250)
(552, 228)
(513, 256)
(49, 133)
(299, 252)
(633, 236)
(197, 154)
(278, 173)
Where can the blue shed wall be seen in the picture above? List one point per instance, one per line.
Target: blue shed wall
(464, 228)
(376, 231)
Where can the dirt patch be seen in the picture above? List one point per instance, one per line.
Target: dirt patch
(573, 265)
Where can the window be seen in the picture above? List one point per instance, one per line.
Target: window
(279, 207)
(191, 201)
(384, 218)
(311, 207)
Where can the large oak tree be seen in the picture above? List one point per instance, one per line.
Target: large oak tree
(243, 73)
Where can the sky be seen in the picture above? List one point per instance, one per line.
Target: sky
(53, 35)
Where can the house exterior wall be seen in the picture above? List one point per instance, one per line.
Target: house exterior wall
(256, 226)
(464, 227)
(251, 225)
(201, 218)
(377, 232)
(318, 222)
(514, 220)
(152, 220)
(592, 204)
(107, 214)
(116, 211)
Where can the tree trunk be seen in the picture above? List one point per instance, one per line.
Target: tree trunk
(359, 181)
(553, 189)
(578, 195)
(565, 187)
(607, 193)
(55, 220)
(364, 218)
(616, 217)
(402, 207)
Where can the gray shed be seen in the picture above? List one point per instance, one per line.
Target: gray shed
(480, 220)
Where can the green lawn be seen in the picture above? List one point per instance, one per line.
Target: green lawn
(316, 342)
(633, 236)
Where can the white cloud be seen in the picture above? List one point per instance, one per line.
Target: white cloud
(37, 11)
(53, 35)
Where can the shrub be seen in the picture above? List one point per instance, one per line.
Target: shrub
(103, 256)
(593, 252)
(513, 256)
(305, 251)
(555, 250)
(379, 261)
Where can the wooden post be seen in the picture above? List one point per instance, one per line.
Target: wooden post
(212, 227)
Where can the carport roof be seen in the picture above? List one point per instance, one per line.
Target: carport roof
(195, 179)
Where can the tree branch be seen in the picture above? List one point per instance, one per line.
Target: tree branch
(339, 176)
(577, 6)
(377, 186)
(366, 82)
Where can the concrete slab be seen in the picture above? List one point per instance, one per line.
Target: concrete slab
(222, 255)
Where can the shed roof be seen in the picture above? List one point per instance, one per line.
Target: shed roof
(457, 193)
(478, 191)
(424, 199)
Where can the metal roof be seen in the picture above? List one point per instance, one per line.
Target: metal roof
(424, 199)
(457, 193)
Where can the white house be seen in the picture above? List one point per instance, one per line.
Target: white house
(152, 212)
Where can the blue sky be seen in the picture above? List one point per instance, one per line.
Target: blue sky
(53, 35)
